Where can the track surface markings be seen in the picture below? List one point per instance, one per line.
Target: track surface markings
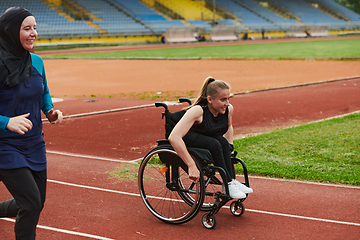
(250, 210)
(65, 231)
(92, 157)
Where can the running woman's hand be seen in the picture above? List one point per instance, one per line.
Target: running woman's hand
(20, 124)
(55, 116)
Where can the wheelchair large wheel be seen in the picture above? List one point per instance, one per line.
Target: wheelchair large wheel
(164, 182)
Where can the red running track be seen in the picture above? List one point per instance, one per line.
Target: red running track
(130, 134)
(276, 210)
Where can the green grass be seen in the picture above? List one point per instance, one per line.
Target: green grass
(151, 95)
(126, 172)
(338, 49)
(327, 151)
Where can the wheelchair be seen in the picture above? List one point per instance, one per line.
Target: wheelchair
(166, 189)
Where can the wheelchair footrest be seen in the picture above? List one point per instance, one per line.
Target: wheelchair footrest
(221, 200)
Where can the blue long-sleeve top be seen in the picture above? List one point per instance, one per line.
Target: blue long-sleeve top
(31, 96)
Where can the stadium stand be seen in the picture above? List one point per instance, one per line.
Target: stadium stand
(49, 22)
(111, 19)
(150, 19)
(189, 10)
(193, 12)
(246, 17)
(310, 15)
(255, 7)
(200, 24)
(351, 16)
(232, 23)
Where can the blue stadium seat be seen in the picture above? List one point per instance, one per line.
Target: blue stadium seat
(311, 16)
(151, 19)
(247, 18)
(352, 16)
(111, 19)
(49, 22)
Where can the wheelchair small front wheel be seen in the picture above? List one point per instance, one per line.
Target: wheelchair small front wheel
(209, 220)
(237, 208)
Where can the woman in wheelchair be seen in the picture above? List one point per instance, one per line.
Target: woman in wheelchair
(207, 124)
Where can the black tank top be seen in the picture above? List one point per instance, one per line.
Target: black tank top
(211, 125)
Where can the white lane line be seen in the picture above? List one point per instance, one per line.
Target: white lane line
(305, 182)
(113, 110)
(65, 231)
(250, 210)
(303, 217)
(103, 111)
(94, 188)
(55, 100)
(92, 157)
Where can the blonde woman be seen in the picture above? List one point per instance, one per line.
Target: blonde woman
(207, 124)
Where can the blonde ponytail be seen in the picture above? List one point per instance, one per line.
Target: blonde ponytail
(209, 88)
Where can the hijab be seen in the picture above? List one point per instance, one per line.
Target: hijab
(15, 61)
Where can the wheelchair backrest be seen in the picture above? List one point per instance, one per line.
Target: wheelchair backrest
(171, 119)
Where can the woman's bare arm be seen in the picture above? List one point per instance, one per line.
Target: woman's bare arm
(229, 135)
(192, 116)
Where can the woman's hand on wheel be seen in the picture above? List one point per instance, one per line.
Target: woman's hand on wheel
(194, 173)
